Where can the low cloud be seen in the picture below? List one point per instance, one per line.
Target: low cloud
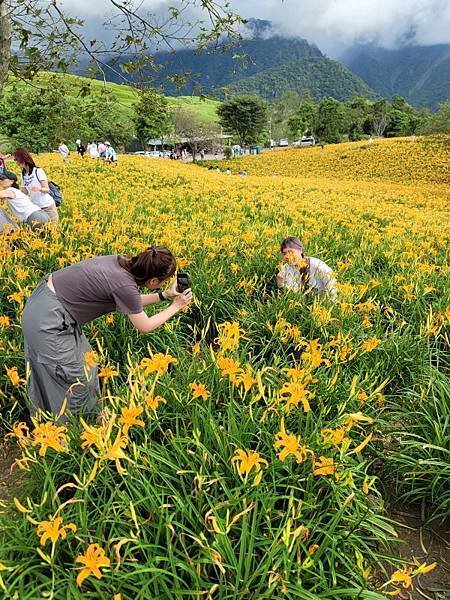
(332, 24)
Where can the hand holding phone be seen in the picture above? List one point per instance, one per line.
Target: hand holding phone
(182, 282)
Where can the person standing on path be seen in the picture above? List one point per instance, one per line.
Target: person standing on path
(35, 183)
(57, 352)
(19, 204)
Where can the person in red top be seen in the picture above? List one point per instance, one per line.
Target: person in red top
(56, 350)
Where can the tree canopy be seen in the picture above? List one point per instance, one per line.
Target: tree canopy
(245, 117)
(152, 116)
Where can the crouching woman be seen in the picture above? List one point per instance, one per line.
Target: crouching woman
(23, 209)
(301, 273)
(60, 376)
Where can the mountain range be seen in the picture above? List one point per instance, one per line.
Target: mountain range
(268, 65)
(421, 74)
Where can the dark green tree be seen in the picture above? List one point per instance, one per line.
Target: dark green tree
(330, 120)
(358, 117)
(303, 120)
(380, 117)
(404, 119)
(245, 117)
(280, 112)
(152, 116)
(439, 122)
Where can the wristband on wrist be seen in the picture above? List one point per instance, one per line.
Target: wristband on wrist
(161, 296)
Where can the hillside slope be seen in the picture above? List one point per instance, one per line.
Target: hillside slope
(209, 71)
(318, 76)
(125, 95)
(398, 160)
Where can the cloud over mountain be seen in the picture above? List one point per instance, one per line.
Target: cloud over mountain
(333, 25)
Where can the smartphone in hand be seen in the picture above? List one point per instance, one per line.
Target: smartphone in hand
(182, 282)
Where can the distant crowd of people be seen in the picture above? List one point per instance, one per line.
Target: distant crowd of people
(103, 150)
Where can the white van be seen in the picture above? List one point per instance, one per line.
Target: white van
(307, 141)
(283, 143)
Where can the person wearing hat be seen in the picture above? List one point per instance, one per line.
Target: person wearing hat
(80, 148)
(111, 155)
(21, 206)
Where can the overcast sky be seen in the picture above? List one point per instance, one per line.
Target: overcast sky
(332, 24)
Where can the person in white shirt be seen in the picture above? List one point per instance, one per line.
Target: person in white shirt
(301, 273)
(64, 151)
(93, 150)
(35, 183)
(19, 204)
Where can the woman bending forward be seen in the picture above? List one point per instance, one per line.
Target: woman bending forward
(55, 347)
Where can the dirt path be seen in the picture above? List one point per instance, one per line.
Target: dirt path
(426, 545)
(10, 475)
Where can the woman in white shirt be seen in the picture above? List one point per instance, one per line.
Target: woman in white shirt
(301, 273)
(93, 150)
(35, 183)
(19, 204)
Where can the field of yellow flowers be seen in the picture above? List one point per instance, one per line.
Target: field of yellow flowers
(248, 448)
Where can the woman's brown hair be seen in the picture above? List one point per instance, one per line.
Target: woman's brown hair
(23, 156)
(292, 242)
(156, 261)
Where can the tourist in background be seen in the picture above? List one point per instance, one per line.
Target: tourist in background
(63, 151)
(102, 150)
(80, 148)
(35, 183)
(93, 150)
(111, 155)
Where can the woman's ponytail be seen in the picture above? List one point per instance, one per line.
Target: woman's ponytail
(155, 261)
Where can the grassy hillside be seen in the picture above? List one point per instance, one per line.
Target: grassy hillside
(126, 95)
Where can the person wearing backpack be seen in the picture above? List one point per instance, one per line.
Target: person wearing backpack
(35, 183)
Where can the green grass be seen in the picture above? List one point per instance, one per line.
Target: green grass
(126, 96)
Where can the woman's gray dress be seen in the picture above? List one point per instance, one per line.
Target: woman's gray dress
(55, 350)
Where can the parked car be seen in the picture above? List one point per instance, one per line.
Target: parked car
(283, 143)
(152, 153)
(305, 141)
